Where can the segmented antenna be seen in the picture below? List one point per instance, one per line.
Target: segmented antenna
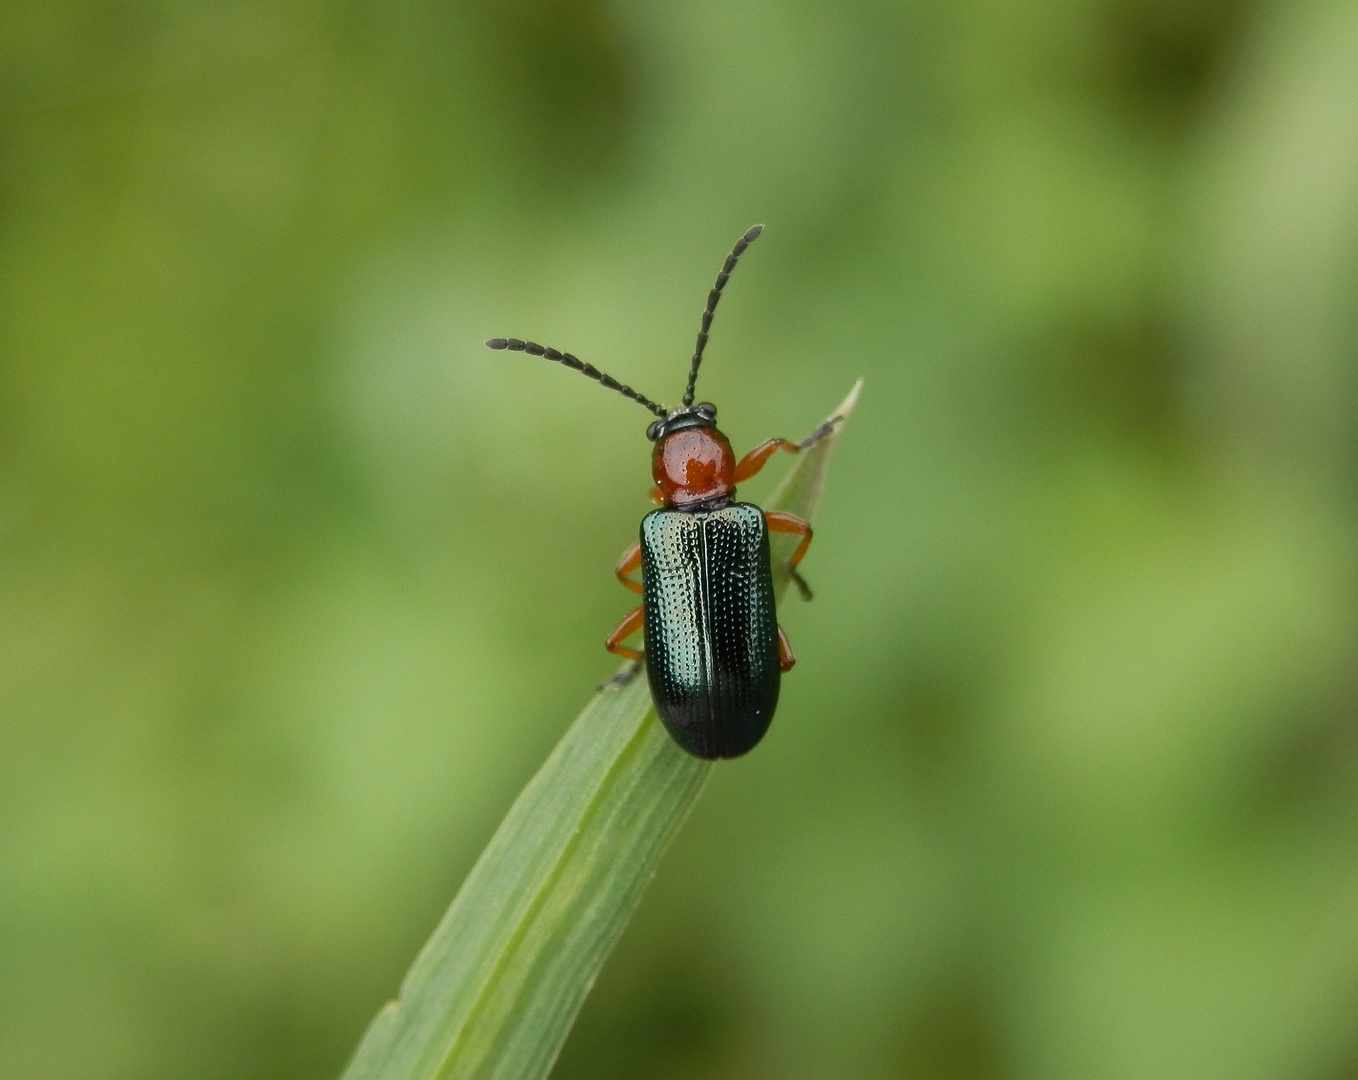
(712, 298)
(576, 364)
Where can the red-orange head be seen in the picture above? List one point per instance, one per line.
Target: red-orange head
(692, 461)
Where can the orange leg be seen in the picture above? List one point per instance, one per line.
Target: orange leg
(777, 521)
(631, 623)
(756, 459)
(631, 559)
(657, 496)
(786, 661)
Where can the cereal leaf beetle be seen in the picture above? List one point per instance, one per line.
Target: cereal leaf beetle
(714, 651)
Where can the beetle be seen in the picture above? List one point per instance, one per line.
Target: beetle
(714, 652)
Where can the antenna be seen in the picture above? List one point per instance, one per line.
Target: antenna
(730, 264)
(576, 364)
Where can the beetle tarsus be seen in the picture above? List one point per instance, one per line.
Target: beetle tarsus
(622, 676)
(800, 582)
(821, 432)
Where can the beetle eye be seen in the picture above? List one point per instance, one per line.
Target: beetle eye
(653, 431)
(707, 411)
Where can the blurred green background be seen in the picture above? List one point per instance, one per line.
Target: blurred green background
(299, 583)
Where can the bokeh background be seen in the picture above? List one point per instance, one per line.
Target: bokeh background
(299, 584)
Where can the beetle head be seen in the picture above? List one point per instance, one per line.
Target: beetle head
(693, 463)
(704, 415)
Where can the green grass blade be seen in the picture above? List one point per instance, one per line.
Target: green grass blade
(496, 988)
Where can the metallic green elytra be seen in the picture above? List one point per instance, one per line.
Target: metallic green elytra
(711, 630)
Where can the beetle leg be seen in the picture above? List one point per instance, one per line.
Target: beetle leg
(820, 433)
(657, 496)
(631, 559)
(622, 676)
(787, 523)
(786, 659)
(756, 459)
(631, 623)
